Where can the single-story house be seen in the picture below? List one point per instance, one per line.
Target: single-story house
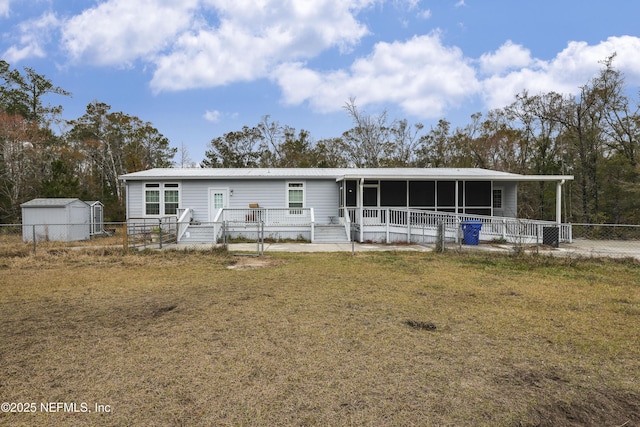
(372, 204)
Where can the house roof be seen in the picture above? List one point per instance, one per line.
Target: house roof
(335, 173)
(49, 202)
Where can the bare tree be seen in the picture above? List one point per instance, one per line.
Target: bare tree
(184, 159)
(368, 142)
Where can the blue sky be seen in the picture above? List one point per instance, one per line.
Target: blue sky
(197, 69)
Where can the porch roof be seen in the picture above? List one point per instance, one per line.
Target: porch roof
(336, 173)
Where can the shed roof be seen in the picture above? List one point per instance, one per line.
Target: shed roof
(50, 202)
(335, 173)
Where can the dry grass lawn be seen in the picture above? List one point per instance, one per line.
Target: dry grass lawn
(396, 339)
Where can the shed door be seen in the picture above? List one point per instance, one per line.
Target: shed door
(218, 200)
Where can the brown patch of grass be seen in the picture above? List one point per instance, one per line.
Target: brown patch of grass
(174, 338)
(241, 262)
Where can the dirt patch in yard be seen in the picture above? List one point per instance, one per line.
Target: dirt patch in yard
(241, 262)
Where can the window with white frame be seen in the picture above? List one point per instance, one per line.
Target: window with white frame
(497, 198)
(161, 199)
(152, 199)
(295, 197)
(171, 199)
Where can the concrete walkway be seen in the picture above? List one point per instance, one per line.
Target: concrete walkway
(326, 247)
(309, 247)
(613, 249)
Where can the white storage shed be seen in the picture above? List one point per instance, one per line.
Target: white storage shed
(96, 217)
(58, 219)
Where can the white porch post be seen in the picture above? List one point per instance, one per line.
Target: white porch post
(559, 201)
(388, 219)
(360, 200)
(313, 223)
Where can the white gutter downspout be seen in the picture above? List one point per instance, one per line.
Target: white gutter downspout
(559, 185)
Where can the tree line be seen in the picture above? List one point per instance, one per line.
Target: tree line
(594, 135)
(83, 159)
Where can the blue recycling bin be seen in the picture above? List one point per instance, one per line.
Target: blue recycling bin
(471, 232)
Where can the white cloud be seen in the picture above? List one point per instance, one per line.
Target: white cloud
(508, 57)
(5, 7)
(425, 14)
(212, 116)
(117, 32)
(409, 4)
(427, 79)
(206, 43)
(33, 36)
(421, 75)
(565, 73)
(253, 37)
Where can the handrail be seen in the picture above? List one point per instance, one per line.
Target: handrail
(183, 223)
(498, 227)
(347, 222)
(217, 229)
(218, 215)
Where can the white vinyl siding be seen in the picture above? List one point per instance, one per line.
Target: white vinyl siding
(319, 194)
(508, 198)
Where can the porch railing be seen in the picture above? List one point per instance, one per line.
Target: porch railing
(516, 230)
(346, 218)
(269, 216)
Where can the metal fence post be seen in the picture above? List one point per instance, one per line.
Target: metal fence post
(439, 237)
(225, 224)
(160, 232)
(125, 237)
(353, 244)
(34, 239)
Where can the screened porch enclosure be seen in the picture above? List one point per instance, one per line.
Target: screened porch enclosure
(463, 197)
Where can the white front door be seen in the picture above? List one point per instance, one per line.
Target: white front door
(218, 200)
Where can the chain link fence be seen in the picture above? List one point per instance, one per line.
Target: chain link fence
(587, 240)
(605, 240)
(22, 240)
